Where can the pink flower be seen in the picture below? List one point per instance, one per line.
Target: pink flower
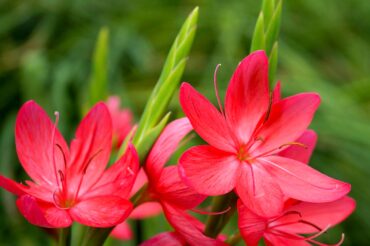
(121, 120)
(71, 184)
(175, 197)
(297, 218)
(245, 138)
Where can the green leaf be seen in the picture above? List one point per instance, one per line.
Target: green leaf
(99, 79)
(258, 40)
(268, 7)
(144, 146)
(125, 143)
(169, 78)
(272, 32)
(273, 60)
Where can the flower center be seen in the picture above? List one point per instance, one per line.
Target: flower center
(243, 154)
(61, 201)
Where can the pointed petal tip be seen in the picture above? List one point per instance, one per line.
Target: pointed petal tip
(257, 55)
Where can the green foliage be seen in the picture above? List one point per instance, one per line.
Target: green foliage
(45, 53)
(266, 33)
(98, 90)
(169, 78)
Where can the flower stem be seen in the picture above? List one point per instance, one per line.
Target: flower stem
(64, 238)
(96, 236)
(215, 223)
(234, 239)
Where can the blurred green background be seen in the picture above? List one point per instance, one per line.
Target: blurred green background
(46, 52)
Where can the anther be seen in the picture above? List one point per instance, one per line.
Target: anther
(61, 175)
(294, 143)
(64, 156)
(310, 224)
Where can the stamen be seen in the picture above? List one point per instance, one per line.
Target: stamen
(211, 213)
(317, 234)
(310, 224)
(61, 175)
(294, 143)
(64, 156)
(259, 138)
(286, 214)
(90, 160)
(216, 88)
(268, 109)
(286, 234)
(84, 172)
(56, 113)
(322, 244)
(56, 200)
(280, 147)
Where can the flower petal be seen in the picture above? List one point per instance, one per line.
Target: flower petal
(119, 179)
(121, 120)
(247, 97)
(43, 214)
(173, 190)
(145, 210)
(208, 170)
(165, 239)
(251, 226)
(276, 94)
(35, 147)
(287, 121)
(207, 121)
(259, 191)
(185, 226)
(103, 211)
(166, 144)
(122, 231)
(90, 150)
(301, 182)
(273, 240)
(12, 186)
(299, 153)
(322, 215)
(140, 181)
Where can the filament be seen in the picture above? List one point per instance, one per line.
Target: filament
(216, 88)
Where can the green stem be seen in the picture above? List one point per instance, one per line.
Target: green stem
(64, 237)
(215, 223)
(96, 236)
(234, 239)
(141, 196)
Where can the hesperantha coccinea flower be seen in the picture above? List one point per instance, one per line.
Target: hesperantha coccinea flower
(71, 184)
(166, 187)
(296, 219)
(244, 140)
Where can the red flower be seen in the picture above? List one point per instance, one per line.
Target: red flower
(175, 197)
(244, 140)
(299, 218)
(121, 120)
(71, 184)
